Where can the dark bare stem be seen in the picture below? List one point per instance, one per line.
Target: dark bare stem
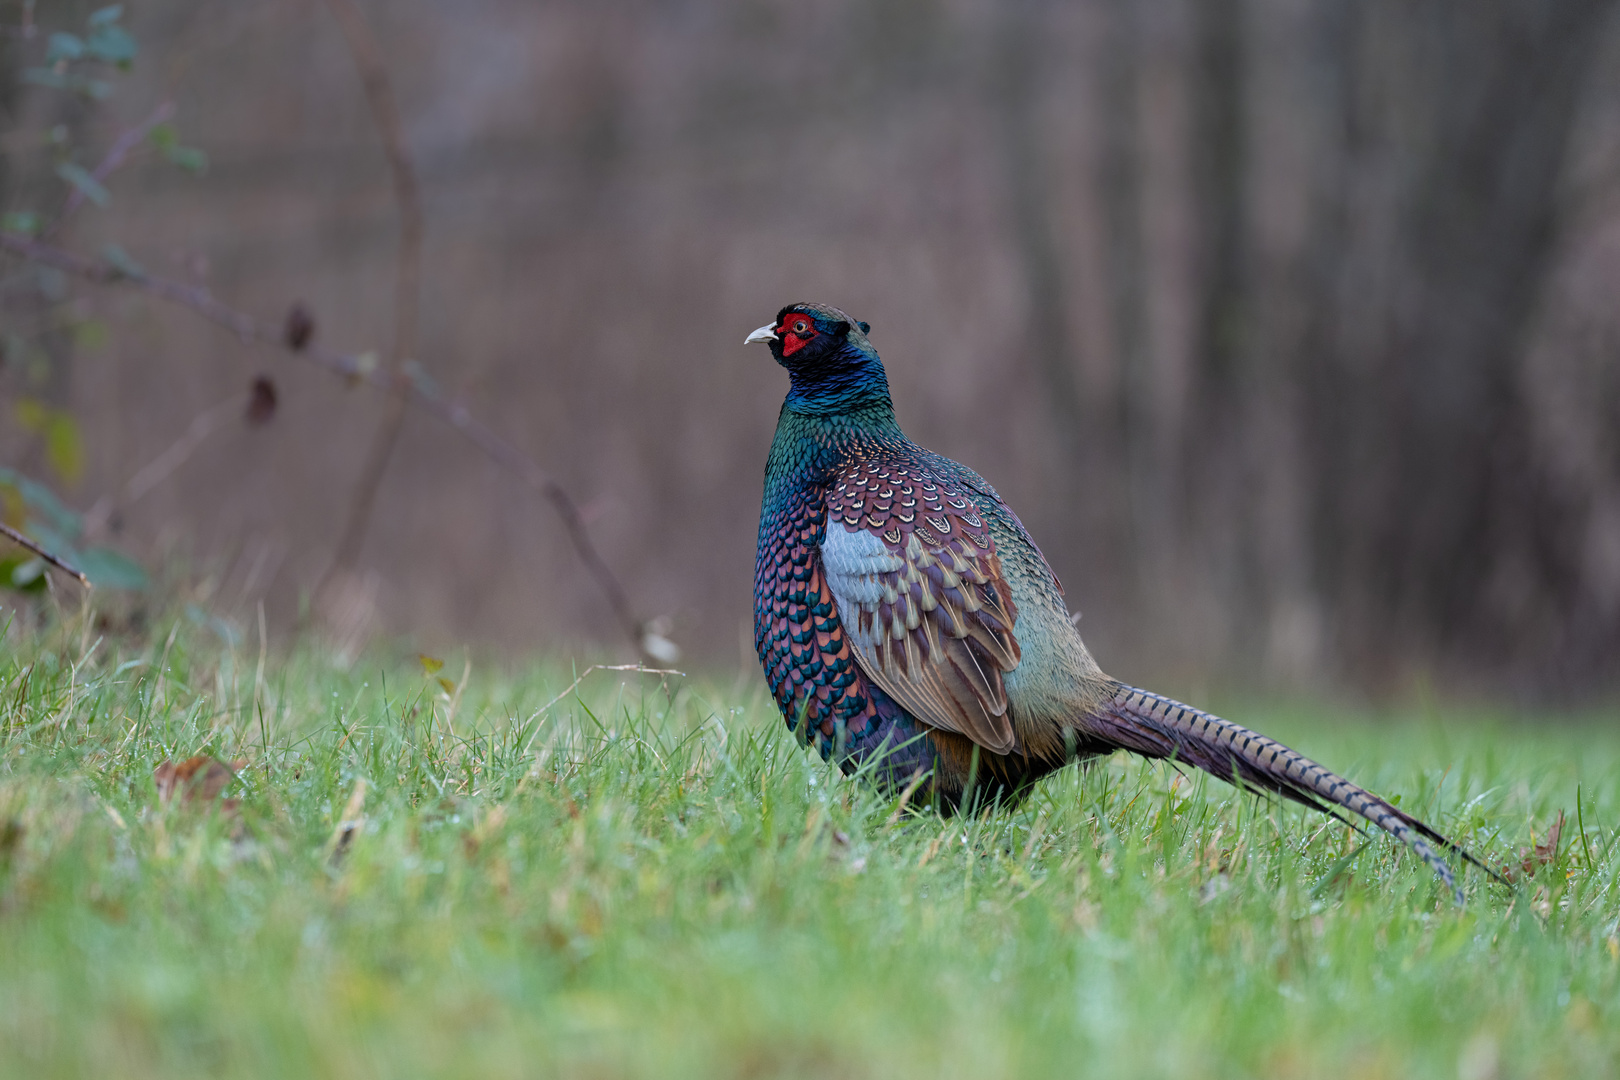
(420, 392)
(407, 274)
(18, 538)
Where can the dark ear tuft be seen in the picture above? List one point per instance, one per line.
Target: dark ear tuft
(866, 328)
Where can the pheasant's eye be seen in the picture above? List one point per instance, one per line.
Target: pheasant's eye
(797, 332)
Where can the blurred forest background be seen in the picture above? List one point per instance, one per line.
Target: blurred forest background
(1289, 327)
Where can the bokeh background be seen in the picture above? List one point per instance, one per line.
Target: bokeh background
(1289, 327)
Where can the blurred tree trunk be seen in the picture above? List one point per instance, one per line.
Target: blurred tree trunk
(1217, 499)
(1290, 134)
(1458, 118)
(1375, 187)
(1121, 182)
(1015, 83)
(1088, 431)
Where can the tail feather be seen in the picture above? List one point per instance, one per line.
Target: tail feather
(1158, 727)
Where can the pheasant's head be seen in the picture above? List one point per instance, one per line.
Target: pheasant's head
(833, 366)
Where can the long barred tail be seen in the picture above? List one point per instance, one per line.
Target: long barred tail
(1158, 727)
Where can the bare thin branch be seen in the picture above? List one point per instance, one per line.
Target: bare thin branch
(357, 370)
(116, 155)
(542, 483)
(159, 468)
(196, 297)
(18, 538)
(407, 274)
(638, 668)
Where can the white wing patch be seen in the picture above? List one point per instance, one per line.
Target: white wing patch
(854, 559)
(927, 626)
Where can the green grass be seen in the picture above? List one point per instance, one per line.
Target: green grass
(650, 879)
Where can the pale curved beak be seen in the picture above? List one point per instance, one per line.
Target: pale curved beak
(764, 333)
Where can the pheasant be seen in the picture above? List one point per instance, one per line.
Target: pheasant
(910, 627)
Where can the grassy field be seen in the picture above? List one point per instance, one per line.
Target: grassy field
(643, 876)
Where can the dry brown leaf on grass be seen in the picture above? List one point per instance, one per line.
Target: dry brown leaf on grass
(197, 780)
(1535, 858)
(352, 821)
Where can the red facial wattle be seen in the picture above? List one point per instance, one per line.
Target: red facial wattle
(797, 332)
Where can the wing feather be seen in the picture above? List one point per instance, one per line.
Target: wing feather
(919, 587)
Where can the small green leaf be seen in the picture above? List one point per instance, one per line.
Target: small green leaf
(42, 504)
(32, 415)
(60, 431)
(90, 334)
(26, 574)
(445, 684)
(13, 511)
(63, 47)
(88, 185)
(106, 16)
(429, 664)
(113, 45)
(47, 77)
(25, 222)
(91, 88)
(52, 541)
(63, 447)
(120, 260)
(107, 568)
(188, 158)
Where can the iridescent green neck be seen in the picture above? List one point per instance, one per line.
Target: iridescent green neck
(848, 380)
(809, 446)
(837, 409)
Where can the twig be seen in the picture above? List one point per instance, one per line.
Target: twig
(26, 29)
(19, 538)
(158, 469)
(637, 668)
(358, 369)
(543, 484)
(116, 155)
(104, 272)
(407, 274)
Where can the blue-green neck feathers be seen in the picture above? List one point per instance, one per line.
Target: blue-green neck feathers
(837, 405)
(828, 420)
(833, 367)
(847, 379)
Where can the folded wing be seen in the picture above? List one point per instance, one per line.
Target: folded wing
(920, 592)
